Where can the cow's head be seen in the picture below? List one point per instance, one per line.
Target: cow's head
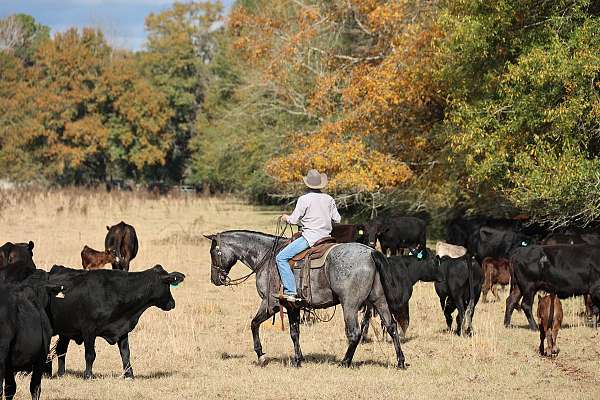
(13, 253)
(162, 287)
(222, 259)
(372, 231)
(113, 256)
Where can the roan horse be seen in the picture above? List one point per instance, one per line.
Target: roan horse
(350, 278)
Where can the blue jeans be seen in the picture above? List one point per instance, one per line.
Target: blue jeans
(285, 272)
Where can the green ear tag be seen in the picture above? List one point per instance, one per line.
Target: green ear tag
(420, 255)
(174, 285)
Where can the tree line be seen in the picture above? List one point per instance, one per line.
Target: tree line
(443, 106)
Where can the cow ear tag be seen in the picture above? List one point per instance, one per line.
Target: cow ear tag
(524, 243)
(420, 255)
(361, 232)
(60, 295)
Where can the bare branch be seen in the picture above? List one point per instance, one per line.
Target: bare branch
(12, 34)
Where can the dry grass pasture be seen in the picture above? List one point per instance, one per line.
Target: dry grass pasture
(203, 350)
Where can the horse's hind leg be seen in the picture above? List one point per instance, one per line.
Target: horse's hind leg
(294, 318)
(353, 333)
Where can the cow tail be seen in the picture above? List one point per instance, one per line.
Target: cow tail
(118, 246)
(551, 316)
(471, 286)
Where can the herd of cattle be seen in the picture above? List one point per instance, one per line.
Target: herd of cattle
(480, 253)
(74, 304)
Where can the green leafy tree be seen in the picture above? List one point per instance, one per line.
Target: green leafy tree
(179, 47)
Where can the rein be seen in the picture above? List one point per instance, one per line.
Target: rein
(279, 233)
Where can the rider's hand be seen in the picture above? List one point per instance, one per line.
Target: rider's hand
(284, 217)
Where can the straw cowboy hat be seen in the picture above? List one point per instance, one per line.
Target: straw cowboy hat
(315, 180)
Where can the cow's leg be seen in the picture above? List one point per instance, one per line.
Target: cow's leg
(294, 319)
(353, 333)
(382, 308)
(542, 338)
(589, 308)
(495, 292)
(10, 385)
(511, 303)
(364, 326)
(526, 305)
(403, 319)
(89, 344)
(61, 351)
(261, 316)
(35, 385)
(460, 318)
(447, 309)
(125, 357)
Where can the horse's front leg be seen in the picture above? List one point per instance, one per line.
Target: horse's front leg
(261, 316)
(294, 318)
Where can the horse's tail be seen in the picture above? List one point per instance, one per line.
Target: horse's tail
(390, 287)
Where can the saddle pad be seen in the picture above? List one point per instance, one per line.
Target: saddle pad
(314, 263)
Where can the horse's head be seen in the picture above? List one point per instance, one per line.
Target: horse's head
(222, 259)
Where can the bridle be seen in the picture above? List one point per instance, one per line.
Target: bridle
(238, 281)
(223, 272)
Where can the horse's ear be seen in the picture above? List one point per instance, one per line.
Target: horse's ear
(210, 237)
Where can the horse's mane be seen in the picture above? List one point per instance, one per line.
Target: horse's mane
(267, 235)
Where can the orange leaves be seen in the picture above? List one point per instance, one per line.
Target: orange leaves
(349, 164)
(364, 69)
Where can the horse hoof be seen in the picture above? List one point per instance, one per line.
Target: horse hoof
(401, 365)
(345, 364)
(263, 360)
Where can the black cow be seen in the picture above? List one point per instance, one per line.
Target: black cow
(398, 276)
(561, 238)
(460, 230)
(122, 240)
(106, 304)
(460, 290)
(348, 233)
(16, 262)
(458, 283)
(566, 270)
(13, 253)
(25, 332)
(397, 233)
(496, 243)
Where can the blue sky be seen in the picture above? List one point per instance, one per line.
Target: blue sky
(121, 20)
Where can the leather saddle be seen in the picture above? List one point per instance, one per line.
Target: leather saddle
(316, 252)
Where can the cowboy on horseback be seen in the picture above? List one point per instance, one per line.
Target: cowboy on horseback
(315, 211)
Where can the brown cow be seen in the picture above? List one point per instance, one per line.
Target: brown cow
(94, 259)
(495, 272)
(550, 316)
(348, 233)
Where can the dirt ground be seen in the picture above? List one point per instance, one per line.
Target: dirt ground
(203, 348)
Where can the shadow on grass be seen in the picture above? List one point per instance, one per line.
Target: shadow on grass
(331, 359)
(146, 376)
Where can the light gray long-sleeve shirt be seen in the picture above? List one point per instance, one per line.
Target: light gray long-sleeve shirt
(315, 211)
